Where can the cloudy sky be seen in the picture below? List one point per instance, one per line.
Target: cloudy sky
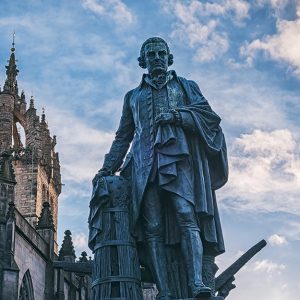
(78, 58)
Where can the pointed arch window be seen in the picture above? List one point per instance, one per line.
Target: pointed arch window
(26, 289)
(19, 136)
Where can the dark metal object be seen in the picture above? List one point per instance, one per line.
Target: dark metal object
(223, 283)
(116, 270)
(177, 160)
(175, 136)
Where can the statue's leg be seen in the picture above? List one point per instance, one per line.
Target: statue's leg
(153, 225)
(191, 245)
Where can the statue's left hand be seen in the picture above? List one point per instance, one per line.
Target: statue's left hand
(165, 118)
(101, 173)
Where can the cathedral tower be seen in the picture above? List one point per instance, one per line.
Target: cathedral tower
(35, 162)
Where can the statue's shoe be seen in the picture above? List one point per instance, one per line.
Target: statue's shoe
(202, 291)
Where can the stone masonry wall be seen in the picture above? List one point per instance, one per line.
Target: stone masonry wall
(26, 189)
(46, 191)
(6, 120)
(28, 259)
(36, 163)
(31, 252)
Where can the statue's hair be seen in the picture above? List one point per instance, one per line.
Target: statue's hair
(141, 58)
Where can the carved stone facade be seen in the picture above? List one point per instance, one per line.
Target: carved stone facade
(36, 164)
(30, 183)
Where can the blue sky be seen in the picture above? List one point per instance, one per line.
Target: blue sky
(78, 59)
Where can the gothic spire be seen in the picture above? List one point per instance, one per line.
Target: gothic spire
(23, 96)
(43, 120)
(31, 105)
(11, 85)
(83, 257)
(67, 251)
(46, 219)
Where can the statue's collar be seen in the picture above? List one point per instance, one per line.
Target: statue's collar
(146, 79)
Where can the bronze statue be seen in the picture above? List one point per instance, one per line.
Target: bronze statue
(176, 162)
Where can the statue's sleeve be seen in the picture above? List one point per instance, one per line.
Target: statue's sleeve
(194, 95)
(187, 122)
(198, 116)
(124, 135)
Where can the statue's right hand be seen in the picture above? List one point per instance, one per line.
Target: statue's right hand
(101, 173)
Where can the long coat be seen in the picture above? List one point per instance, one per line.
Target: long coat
(207, 149)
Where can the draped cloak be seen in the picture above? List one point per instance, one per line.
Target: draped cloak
(191, 159)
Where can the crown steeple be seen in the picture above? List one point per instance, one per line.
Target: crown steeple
(11, 85)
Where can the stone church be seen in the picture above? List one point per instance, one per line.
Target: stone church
(31, 267)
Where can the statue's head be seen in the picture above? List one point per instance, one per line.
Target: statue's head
(155, 56)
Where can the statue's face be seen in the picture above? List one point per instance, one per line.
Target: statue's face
(156, 57)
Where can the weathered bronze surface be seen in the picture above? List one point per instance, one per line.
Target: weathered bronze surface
(176, 162)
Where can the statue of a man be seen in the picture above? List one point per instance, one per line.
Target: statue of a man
(176, 162)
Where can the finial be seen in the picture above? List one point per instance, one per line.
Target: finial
(10, 85)
(83, 257)
(43, 116)
(45, 220)
(13, 43)
(23, 95)
(67, 251)
(68, 232)
(16, 88)
(31, 105)
(54, 142)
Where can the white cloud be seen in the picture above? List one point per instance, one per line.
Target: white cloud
(98, 54)
(203, 38)
(264, 173)
(81, 147)
(246, 101)
(283, 46)
(113, 9)
(277, 240)
(256, 279)
(188, 10)
(292, 230)
(197, 24)
(267, 266)
(276, 4)
(239, 8)
(80, 242)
